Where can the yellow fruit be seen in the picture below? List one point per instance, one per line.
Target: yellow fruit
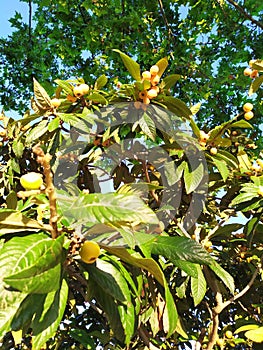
(154, 70)
(229, 334)
(260, 191)
(208, 244)
(213, 151)
(247, 107)
(249, 115)
(55, 102)
(260, 162)
(202, 143)
(247, 72)
(253, 74)
(85, 88)
(256, 168)
(80, 90)
(146, 75)
(155, 79)
(220, 342)
(31, 181)
(142, 94)
(89, 252)
(152, 93)
(203, 136)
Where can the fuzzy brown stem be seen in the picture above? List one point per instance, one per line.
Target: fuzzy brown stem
(44, 160)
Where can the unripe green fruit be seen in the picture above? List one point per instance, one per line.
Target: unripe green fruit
(31, 181)
(89, 252)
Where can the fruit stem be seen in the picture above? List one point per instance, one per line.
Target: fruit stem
(44, 160)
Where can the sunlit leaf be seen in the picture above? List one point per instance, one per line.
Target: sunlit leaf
(132, 66)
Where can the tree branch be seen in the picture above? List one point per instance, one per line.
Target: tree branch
(243, 291)
(220, 305)
(245, 14)
(44, 160)
(170, 32)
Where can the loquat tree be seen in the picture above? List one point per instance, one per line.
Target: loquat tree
(124, 225)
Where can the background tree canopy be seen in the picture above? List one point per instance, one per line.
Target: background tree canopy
(209, 42)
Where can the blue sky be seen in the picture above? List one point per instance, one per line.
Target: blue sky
(7, 10)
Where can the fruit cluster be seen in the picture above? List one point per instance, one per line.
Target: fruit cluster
(247, 108)
(80, 90)
(249, 72)
(150, 80)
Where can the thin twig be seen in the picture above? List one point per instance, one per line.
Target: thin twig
(245, 14)
(146, 340)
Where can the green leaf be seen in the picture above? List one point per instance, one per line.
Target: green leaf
(53, 124)
(188, 267)
(255, 335)
(242, 124)
(41, 95)
(226, 230)
(132, 66)
(177, 106)
(109, 278)
(226, 278)
(246, 327)
(67, 87)
(11, 202)
(195, 109)
(162, 64)
(28, 308)
(181, 248)
(227, 157)
(38, 264)
(97, 98)
(198, 286)
(152, 267)
(193, 177)
(83, 337)
(11, 221)
(110, 307)
(46, 323)
(255, 85)
(243, 197)
(37, 131)
(173, 174)
(148, 127)
(222, 168)
(244, 162)
(18, 148)
(170, 80)
(106, 208)
(101, 82)
(9, 304)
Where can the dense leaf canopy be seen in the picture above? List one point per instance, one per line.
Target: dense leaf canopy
(208, 42)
